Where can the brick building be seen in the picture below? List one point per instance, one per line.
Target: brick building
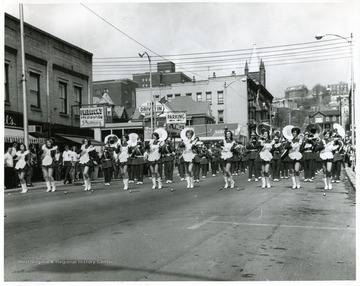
(58, 81)
(165, 75)
(122, 92)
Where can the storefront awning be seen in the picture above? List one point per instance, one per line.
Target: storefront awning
(17, 135)
(79, 140)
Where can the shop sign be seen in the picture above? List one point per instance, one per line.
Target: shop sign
(92, 117)
(176, 118)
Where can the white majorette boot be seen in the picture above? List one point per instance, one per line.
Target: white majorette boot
(329, 183)
(226, 182)
(48, 187)
(326, 187)
(294, 182)
(159, 183)
(89, 185)
(53, 187)
(86, 185)
(191, 182)
(263, 183)
(24, 188)
(297, 182)
(154, 183)
(267, 180)
(232, 182)
(126, 184)
(188, 182)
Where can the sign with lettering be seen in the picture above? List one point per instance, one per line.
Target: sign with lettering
(175, 118)
(91, 117)
(145, 108)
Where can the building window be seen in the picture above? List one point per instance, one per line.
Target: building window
(198, 96)
(177, 94)
(169, 96)
(78, 96)
(327, 118)
(208, 96)
(220, 97)
(34, 97)
(6, 81)
(220, 116)
(157, 96)
(189, 94)
(63, 97)
(334, 118)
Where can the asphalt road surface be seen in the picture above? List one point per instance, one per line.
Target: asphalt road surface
(178, 234)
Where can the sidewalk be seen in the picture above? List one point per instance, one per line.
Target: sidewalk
(351, 175)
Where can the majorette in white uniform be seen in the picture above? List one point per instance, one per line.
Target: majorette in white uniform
(226, 152)
(188, 153)
(154, 153)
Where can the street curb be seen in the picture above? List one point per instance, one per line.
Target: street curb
(351, 179)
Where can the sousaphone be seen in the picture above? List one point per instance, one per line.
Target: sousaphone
(340, 130)
(183, 134)
(314, 129)
(112, 139)
(261, 127)
(287, 132)
(133, 137)
(162, 134)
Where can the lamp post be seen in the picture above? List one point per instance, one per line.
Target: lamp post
(151, 96)
(350, 42)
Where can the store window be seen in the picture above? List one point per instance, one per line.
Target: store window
(63, 97)
(78, 96)
(34, 96)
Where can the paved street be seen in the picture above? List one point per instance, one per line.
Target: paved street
(176, 234)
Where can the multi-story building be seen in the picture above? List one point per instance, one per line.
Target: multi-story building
(239, 99)
(122, 92)
(340, 100)
(297, 93)
(165, 75)
(58, 81)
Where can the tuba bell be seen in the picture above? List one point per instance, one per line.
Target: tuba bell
(286, 131)
(112, 140)
(261, 128)
(314, 130)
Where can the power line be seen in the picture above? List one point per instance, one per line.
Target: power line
(205, 70)
(131, 38)
(322, 43)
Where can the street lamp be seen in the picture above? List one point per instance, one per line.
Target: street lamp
(319, 37)
(151, 97)
(226, 85)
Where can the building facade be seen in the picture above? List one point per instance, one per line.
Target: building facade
(325, 118)
(297, 93)
(122, 92)
(233, 99)
(58, 81)
(165, 75)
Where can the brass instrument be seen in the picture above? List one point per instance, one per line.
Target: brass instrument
(112, 140)
(133, 138)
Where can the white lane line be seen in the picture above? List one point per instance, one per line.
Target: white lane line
(282, 225)
(200, 224)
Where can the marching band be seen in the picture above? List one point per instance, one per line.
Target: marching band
(269, 155)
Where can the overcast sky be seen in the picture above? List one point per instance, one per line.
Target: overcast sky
(170, 28)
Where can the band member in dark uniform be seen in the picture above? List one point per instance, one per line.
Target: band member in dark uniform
(107, 159)
(252, 149)
(214, 155)
(137, 153)
(276, 160)
(307, 149)
(168, 155)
